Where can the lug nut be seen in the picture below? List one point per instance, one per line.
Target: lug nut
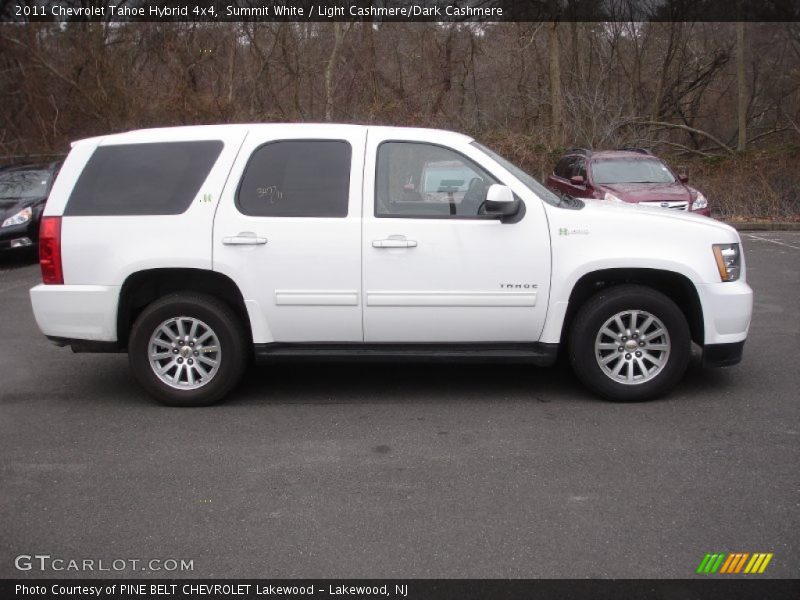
(641, 343)
(621, 348)
(638, 354)
(627, 357)
(624, 338)
(174, 350)
(196, 353)
(635, 335)
(180, 361)
(191, 362)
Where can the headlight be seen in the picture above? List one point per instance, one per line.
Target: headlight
(729, 261)
(699, 202)
(611, 197)
(21, 217)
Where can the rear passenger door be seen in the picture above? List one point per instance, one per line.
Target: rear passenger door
(288, 232)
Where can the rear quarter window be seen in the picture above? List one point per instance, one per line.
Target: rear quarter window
(142, 179)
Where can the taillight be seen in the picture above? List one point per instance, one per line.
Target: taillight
(50, 250)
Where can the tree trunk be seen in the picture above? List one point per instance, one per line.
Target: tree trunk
(556, 101)
(338, 34)
(741, 87)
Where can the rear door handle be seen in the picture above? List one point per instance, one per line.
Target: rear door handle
(244, 238)
(394, 243)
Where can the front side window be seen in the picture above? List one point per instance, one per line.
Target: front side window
(578, 168)
(424, 180)
(297, 178)
(563, 167)
(142, 179)
(631, 170)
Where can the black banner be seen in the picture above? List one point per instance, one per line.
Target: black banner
(401, 589)
(22, 11)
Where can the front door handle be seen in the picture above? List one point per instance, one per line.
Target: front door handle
(394, 242)
(244, 238)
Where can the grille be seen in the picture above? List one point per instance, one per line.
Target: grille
(673, 205)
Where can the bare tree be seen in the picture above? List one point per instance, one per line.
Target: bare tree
(556, 103)
(741, 87)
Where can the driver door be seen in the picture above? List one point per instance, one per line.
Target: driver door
(436, 270)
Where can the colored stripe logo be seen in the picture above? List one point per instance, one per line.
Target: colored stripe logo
(734, 563)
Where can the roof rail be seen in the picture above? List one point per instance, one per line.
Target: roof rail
(636, 149)
(584, 151)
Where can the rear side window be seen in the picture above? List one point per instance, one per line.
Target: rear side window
(142, 179)
(297, 178)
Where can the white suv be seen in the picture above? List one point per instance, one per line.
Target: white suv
(196, 248)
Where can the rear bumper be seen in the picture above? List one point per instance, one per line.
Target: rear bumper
(76, 312)
(722, 355)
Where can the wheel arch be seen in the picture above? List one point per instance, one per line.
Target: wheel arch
(143, 287)
(676, 286)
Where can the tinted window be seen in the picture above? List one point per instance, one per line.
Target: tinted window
(423, 180)
(143, 179)
(563, 167)
(297, 178)
(579, 168)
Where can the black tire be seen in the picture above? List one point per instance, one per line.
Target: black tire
(225, 324)
(601, 307)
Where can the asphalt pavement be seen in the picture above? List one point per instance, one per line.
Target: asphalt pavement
(403, 470)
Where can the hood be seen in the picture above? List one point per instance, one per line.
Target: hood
(648, 192)
(610, 235)
(649, 217)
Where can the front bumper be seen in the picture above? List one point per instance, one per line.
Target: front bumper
(722, 355)
(76, 312)
(19, 237)
(727, 309)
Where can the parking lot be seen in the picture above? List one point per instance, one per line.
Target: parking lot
(405, 470)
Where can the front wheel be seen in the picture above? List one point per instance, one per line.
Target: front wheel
(187, 349)
(630, 343)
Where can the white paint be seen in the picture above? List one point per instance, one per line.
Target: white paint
(323, 279)
(450, 299)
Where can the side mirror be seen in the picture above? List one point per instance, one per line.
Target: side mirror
(577, 180)
(500, 201)
(684, 178)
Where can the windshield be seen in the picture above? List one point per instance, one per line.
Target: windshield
(630, 170)
(533, 185)
(24, 184)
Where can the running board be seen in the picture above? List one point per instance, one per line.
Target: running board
(537, 353)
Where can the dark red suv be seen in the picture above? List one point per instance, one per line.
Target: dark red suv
(631, 175)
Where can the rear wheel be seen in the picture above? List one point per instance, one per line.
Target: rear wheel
(187, 349)
(630, 343)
